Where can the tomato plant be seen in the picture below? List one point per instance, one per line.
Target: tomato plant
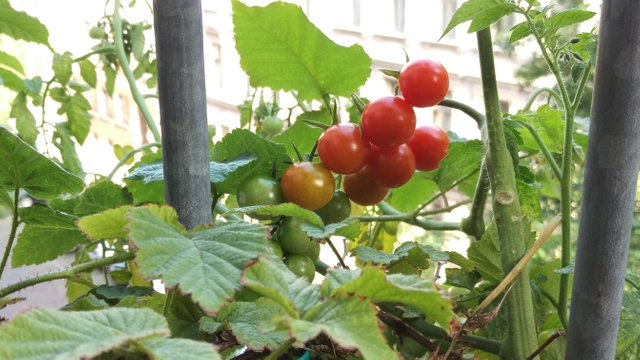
(342, 149)
(338, 209)
(391, 167)
(429, 145)
(362, 190)
(309, 185)
(388, 121)
(271, 125)
(423, 82)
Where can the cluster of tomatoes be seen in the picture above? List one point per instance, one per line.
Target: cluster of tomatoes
(380, 154)
(386, 149)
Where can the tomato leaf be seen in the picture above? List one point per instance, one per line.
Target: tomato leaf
(481, 13)
(519, 32)
(206, 264)
(23, 167)
(11, 62)
(67, 147)
(183, 349)
(350, 322)
(108, 224)
(349, 228)
(47, 235)
(410, 195)
(464, 157)
(21, 26)
(252, 323)
(25, 121)
(285, 209)
(566, 18)
(376, 286)
(62, 67)
(271, 278)
(485, 254)
(629, 333)
(303, 135)
(88, 72)
(77, 109)
(279, 48)
(100, 196)
(11, 81)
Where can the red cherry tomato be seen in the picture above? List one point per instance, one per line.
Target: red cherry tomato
(342, 149)
(423, 82)
(429, 145)
(391, 167)
(362, 190)
(388, 121)
(308, 185)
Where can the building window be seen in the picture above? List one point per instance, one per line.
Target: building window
(217, 65)
(449, 7)
(399, 13)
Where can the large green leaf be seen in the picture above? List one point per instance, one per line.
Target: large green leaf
(11, 62)
(62, 67)
(47, 235)
(271, 278)
(101, 196)
(223, 174)
(284, 209)
(350, 322)
(206, 264)
(10, 80)
(349, 228)
(629, 333)
(252, 323)
(52, 334)
(241, 143)
(108, 224)
(279, 48)
(77, 109)
(303, 135)
(567, 18)
(481, 13)
(485, 254)
(25, 121)
(88, 72)
(376, 286)
(21, 26)
(67, 147)
(410, 195)
(463, 158)
(183, 349)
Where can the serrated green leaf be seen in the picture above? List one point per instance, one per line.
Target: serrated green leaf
(376, 286)
(206, 264)
(284, 209)
(52, 334)
(252, 323)
(418, 190)
(271, 278)
(112, 294)
(136, 39)
(474, 9)
(183, 349)
(62, 67)
(77, 109)
(67, 147)
(20, 26)
(241, 142)
(548, 124)
(101, 196)
(46, 235)
(463, 158)
(349, 228)
(88, 72)
(11, 62)
(146, 193)
(10, 80)
(303, 135)
(108, 224)
(519, 32)
(279, 48)
(529, 198)
(567, 18)
(25, 121)
(485, 254)
(23, 167)
(490, 16)
(350, 322)
(110, 79)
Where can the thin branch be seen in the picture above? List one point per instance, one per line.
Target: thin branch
(14, 228)
(545, 150)
(544, 345)
(337, 253)
(403, 329)
(281, 350)
(473, 113)
(128, 156)
(65, 274)
(126, 69)
(539, 92)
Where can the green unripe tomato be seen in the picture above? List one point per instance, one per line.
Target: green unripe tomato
(314, 254)
(292, 239)
(272, 125)
(338, 208)
(276, 249)
(97, 33)
(301, 265)
(259, 190)
(391, 227)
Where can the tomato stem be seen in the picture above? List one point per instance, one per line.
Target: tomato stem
(14, 228)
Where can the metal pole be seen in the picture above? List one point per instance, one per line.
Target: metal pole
(183, 109)
(611, 176)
